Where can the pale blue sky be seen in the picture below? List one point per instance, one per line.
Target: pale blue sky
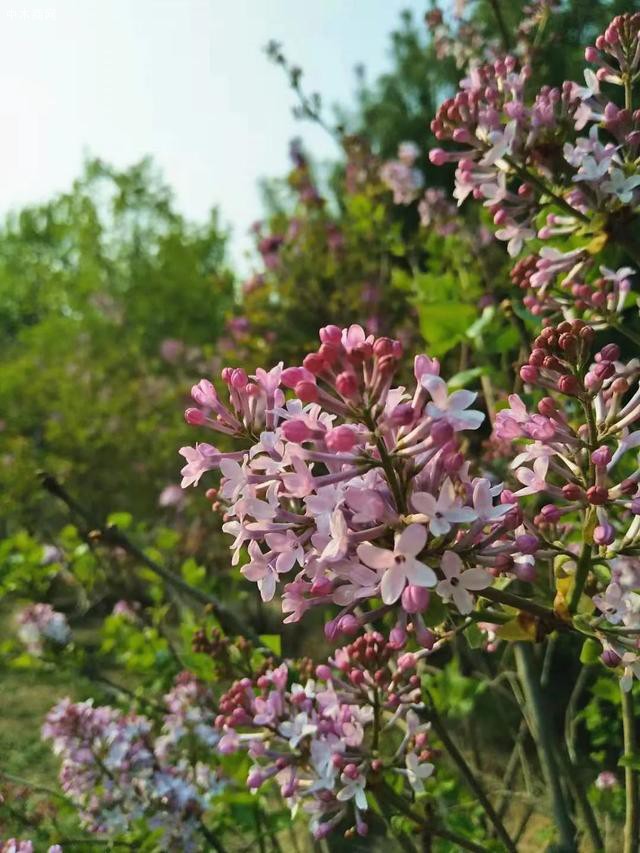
(183, 80)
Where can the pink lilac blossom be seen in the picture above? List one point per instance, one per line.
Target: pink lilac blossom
(117, 770)
(569, 285)
(353, 490)
(401, 176)
(578, 454)
(41, 627)
(325, 740)
(511, 157)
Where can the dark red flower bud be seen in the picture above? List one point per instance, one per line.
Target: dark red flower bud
(597, 495)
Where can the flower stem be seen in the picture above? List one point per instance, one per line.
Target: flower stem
(387, 466)
(504, 32)
(501, 596)
(530, 177)
(632, 790)
(470, 778)
(541, 733)
(434, 829)
(582, 571)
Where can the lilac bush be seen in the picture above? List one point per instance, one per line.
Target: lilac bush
(415, 530)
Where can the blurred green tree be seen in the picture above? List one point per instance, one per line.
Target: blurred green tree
(110, 302)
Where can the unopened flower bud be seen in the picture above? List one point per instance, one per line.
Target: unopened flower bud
(349, 625)
(331, 335)
(572, 492)
(407, 661)
(341, 439)
(525, 572)
(321, 586)
(307, 392)
(292, 375)
(314, 363)
(347, 385)
(329, 353)
(609, 352)
(601, 457)
(296, 431)
(398, 636)
(441, 432)
(604, 534)
(551, 513)
(194, 417)
(568, 385)
(529, 374)
(383, 346)
(610, 658)
(356, 677)
(415, 599)
(527, 543)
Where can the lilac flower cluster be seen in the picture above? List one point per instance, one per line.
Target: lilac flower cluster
(518, 155)
(581, 453)
(14, 845)
(402, 176)
(40, 627)
(327, 741)
(569, 285)
(116, 770)
(358, 486)
(437, 211)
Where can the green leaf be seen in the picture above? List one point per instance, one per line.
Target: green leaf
(444, 324)
(273, 642)
(474, 636)
(193, 573)
(590, 652)
(123, 520)
(517, 630)
(436, 612)
(607, 689)
(632, 761)
(465, 377)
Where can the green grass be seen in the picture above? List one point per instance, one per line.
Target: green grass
(28, 767)
(25, 698)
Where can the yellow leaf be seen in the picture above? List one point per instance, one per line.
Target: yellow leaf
(564, 585)
(598, 243)
(523, 627)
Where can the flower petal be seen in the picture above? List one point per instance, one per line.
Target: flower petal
(475, 579)
(412, 540)
(375, 558)
(462, 599)
(419, 574)
(393, 582)
(424, 502)
(461, 400)
(451, 564)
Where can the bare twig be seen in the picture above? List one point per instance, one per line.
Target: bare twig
(112, 535)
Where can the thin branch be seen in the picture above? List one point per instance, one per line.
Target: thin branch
(504, 32)
(43, 789)
(547, 616)
(434, 828)
(541, 732)
(469, 776)
(632, 791)
(112, 535)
